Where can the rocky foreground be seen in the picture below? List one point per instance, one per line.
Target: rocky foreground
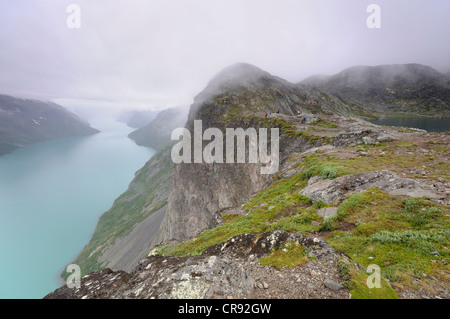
(228, 270)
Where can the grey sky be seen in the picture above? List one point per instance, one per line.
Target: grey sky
(147, 53)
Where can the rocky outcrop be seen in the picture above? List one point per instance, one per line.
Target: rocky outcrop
(230, 269)
(331, 191)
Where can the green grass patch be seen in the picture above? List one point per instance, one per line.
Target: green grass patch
(362, 291)
(325, 124)
(357, 282)
(289, 255)
(398, 235)
(315, 165)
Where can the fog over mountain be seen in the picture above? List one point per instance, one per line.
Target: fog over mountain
(132, 54)
(24, 122)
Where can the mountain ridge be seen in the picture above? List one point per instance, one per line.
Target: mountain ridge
(27, 121)
(157, 133)
(388, 89)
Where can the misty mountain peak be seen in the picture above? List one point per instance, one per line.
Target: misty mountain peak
(240, 70)
(389, 74)
(240, 74)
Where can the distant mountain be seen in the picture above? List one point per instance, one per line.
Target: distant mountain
(157, 133)
(24, 122)
(137, 118)
(380, 90)
(447, 74)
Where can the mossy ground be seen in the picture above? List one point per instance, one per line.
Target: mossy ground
(399, 235)
(291, 254)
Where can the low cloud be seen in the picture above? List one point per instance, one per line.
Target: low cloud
(159, 54)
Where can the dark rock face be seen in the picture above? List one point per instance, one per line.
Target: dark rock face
(24, 122)
(231, 100)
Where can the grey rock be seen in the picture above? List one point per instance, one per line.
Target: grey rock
(369, 140)
(330, 191)
(310, 286)
(333, 285)
(384, 138)
(435, 253)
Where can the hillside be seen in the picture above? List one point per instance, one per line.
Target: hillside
(156, 134)
(348, 194)
(137, 118)
(381, 91)
(24, 122)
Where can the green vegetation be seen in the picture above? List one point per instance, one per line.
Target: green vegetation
(289, 255)
(323, 123)
(398, 235)
(356, 281)
(315, 165)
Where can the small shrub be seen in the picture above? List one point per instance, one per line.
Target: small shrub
(329, 224)
(328, 173)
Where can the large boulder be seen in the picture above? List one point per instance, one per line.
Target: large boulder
(331, 191)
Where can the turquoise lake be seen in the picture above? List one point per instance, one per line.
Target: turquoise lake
(51, 196)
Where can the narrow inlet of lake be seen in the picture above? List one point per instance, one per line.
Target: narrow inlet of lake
(51, 196)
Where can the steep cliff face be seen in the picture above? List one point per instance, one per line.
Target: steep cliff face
(238, 97)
